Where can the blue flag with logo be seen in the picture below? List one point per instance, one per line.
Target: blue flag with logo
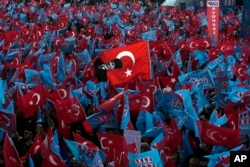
(45, 58)
(149, 158)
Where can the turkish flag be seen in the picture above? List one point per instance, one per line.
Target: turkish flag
(69, 109)
(10, 154)
(50, 159)
(141, 101)
(135, 60)
(113, 145)
(240, 71)
(8, 122)
(167, 83)
(28, 103)
(216, 135)
(35, 148)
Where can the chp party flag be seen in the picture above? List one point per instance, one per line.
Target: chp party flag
(135, 60)
(149, 158)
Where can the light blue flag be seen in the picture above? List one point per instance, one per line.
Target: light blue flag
(2, 132)
(74, 150)
(186, 147)
(203, 19)
(149, 35)
(125, 113)
(148, 158)
(45, 58)
(82, 97)
(97, 161)
(54, 146)
(144, 121)
(236, 94)
(216, 158)
(2, 89)
(46, 77)
(61, 69)
(221, 121)
(31, 162)
(82, 59)
(157, 140)
(102, 120)
(201, 57)
(9, 109)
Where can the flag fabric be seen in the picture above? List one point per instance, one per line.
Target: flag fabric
(114, 146)
(135, 62)
(149, 158)
(8, 121)
(10, 154)
(215, 135)
(50, 159)
(29, 102)
(244, 120)
(102, 120)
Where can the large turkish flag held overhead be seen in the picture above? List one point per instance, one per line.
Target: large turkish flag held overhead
(135, 62)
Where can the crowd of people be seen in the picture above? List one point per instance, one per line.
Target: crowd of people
(31, 32)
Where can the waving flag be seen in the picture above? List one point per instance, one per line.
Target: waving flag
(50, 159)
(28, 103)
(113, 145)
(135, 62)
(102, 120)
(8, 121)
(149, 158)
(45, 59)
(218, 135)
(82, 59)
(10, 154)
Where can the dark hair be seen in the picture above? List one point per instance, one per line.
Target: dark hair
(118, 63)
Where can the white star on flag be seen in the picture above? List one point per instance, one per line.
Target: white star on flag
(173, 80)
(128, 72)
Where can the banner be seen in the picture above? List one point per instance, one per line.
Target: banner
(228, 5)
(245, 30)
(213, 14)
(199, 4)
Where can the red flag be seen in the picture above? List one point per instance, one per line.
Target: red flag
(135, 62)
(113, 145)
(8, 121)
(149, 85)
(10, 154)
(78, 138)
(215, 135)
(70, 109)
(28, 103)
(50, 159)
(35, 148)
(109, 104)
(142, 101)
(167, 83)
(240, 71)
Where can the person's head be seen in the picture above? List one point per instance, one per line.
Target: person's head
(144, 147)
(41, 128)
(28, 134)
(176, 157)
(194, 162)
(203, 162)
